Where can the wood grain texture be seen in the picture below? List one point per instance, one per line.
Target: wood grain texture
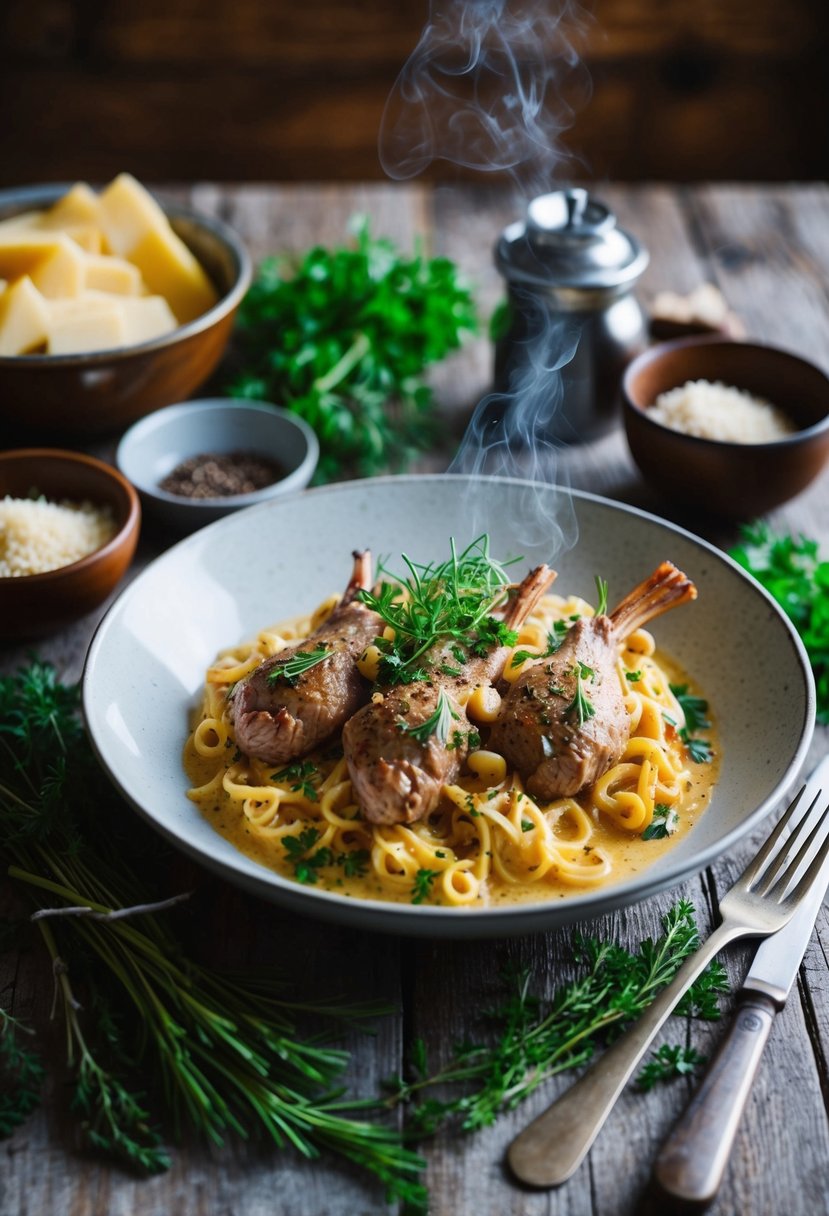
(719, 89)
(769, 252)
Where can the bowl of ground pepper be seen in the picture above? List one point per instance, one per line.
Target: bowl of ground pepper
(195, 462)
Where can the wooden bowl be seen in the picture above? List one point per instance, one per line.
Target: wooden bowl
(736, 480)
(103, 392)
(36, 604)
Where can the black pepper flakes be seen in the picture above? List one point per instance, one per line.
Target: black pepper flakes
(221, 475)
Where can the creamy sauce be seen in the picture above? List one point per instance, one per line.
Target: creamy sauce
(629, 853)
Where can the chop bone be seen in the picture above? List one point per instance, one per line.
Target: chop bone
(556, 747)
(396, 773)
(278, 719)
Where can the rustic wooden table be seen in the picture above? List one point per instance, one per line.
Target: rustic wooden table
(768, 250)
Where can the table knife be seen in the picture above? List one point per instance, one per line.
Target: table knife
(692, 1161)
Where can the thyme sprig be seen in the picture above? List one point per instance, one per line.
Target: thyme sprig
(298, 664)
(534, 1041)
(447, 602)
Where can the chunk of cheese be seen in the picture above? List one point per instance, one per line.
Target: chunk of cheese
(80, 206)
(16, 223)
(136, 228)
(88, 237)
(21, 251)
(89, 329)
(147, 317)
(62, 272)
(170, 270)
(24, 318)
(103, 272)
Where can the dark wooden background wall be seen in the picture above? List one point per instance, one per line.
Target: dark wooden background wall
(294, 89)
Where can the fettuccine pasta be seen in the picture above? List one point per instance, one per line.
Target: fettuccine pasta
(487, 841)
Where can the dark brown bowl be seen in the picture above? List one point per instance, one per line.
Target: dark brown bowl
(737, 480)
(37, 604)
(103, 392)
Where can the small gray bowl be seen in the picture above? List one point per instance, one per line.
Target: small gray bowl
(155, 445)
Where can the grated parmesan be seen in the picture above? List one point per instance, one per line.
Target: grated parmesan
(36, 535)
(717, 411)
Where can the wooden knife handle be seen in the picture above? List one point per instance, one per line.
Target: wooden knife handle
(693, 1159)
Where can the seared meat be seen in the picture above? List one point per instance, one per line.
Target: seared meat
(564, 723)
(278, 719)
(398, 775)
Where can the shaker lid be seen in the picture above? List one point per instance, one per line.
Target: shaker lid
(569, 239)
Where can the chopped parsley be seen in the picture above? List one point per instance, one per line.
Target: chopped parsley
(299, 774)
(695, 710)
(527, 825)
(354, 863)
(664, 823)
(296, 848)
(668, 1062)
(633, 676)
(298, 664)
(422, 888)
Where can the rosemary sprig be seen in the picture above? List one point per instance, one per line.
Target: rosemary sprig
(298, 664)
(581, 707)
(438, 724)
(21, 1074)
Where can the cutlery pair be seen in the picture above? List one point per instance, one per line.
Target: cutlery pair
(775, 895)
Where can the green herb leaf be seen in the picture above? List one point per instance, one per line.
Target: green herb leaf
(422, 889)
(666, 1063)
(438, 723)
(298, 664)
(665, 821)
(601, 592)
(343, 338)
(581, 707)
(299, 775)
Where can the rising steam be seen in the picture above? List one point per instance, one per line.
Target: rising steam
(485, 89)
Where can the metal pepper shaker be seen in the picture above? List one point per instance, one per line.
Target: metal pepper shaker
(570, 273)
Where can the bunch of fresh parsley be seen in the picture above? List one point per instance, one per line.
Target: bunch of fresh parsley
(791, 569)
(343, 339)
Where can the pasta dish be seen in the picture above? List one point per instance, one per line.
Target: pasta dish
(491, 833)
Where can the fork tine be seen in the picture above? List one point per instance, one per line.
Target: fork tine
(753, 867)
(781, 860)
(814, 866)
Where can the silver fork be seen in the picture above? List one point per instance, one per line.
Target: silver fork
(759, 903)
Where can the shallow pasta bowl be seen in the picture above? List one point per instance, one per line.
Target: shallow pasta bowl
(147, 662)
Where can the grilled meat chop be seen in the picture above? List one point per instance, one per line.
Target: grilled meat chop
(277, 719)
(397, 776)
(541, 732)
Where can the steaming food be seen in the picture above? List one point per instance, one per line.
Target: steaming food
(398, 774)
(564, 723)
(445, 816)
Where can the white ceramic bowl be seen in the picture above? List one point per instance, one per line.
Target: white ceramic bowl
(146, 665)
(155, 445)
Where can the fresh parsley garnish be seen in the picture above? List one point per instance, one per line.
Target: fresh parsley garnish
(438, 723)
(297, 848)
(554, 639)
(354, 863)
(527, 825)
(633, 676)
(664, 823)
(343, 338)
(300, 774)
(422, 888)
(794, 573)
(694, 710)
(298, 664)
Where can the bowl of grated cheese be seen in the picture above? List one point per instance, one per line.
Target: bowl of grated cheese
(68, 529)
(734, 428)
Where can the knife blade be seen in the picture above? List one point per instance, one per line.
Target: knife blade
(692, 1161)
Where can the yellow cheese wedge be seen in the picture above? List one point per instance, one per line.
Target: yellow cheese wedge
(136, 228)
(23, 318)
(169, 269)
(79, 206)
(62, 272)
(90, 239)
(92, 329)
(17, 223)
(106, 273)
(21, 251)
(147, 317)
